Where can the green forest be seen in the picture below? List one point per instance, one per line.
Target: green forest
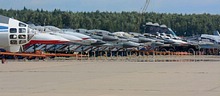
(182, 24)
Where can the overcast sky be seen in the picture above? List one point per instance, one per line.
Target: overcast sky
(161, 6)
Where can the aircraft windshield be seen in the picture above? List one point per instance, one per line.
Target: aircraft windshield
(170, 31)
(22, 25)
(31, 33)
(110, 34)
(98, 33)
(152, 29)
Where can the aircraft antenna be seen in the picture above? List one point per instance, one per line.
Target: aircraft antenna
(146, 4)
(142, 11)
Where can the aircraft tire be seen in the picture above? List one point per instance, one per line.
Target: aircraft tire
(191, 50)
(171, 50)
(163, 49)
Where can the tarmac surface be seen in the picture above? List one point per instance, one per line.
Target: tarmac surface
(109, 78)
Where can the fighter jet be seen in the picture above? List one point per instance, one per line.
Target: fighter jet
(170, 40)
(134, 38)
(68, 34)
(164, 33)
(87, 40)
(215, 39)
(141, 37)
(47, 38)
(112, 39)
(102, 35)
(43, 39)
(202, 42)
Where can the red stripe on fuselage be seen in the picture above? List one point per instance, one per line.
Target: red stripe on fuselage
(85, 38)
(45, 42)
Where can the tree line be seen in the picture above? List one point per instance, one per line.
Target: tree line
(182, 24)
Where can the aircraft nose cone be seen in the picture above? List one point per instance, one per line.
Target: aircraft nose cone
(168, 41)
(109, 38)
(130, 44)
(157, 43)
(143, 40)
(98, 43)
(89, 41)
(123, 40)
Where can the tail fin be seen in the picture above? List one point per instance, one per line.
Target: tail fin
(216, 33)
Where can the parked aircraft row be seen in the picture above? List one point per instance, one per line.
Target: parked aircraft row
(202, 41)
(206, 40)
(17, 36)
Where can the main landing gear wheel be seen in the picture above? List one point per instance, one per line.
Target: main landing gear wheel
(163, 50)
(192, 51)
(171, 50)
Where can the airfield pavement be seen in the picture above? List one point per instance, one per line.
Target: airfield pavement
(109, 78)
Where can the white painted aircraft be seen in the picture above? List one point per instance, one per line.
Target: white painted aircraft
(86, 40)
(46, 38)
(43, 39)
(13, 34)
(74, 37)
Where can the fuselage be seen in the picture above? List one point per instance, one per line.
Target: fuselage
(213, 38)
(13, 34)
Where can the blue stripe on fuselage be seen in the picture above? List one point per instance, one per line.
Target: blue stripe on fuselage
(3, 29)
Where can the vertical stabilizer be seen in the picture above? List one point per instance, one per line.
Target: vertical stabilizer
(216, 33)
